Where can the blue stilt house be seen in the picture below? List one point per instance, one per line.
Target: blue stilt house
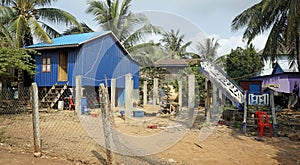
(97, 57)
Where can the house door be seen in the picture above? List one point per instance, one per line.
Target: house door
(63, 66)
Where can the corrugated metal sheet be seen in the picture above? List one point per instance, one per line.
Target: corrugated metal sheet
(96, 60)
(103, 59)
(74, 39)
(51, 78)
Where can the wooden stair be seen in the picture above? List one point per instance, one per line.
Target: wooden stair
(53, 95)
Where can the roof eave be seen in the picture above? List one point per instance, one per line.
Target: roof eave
(55, 47)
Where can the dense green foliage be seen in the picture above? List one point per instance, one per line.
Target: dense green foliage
(208, 49)
(174, 45)
(130, 28)
(282, 18)
(242, 63)
(23, 20)
(15, 59)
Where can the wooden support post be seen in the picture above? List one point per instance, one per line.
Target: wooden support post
(103, 96)
(145, 96)
(215, 106)
(113, 94)
(208, 100)
(180, 94)
(35, 118)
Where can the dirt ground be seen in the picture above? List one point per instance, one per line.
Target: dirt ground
(66, 142)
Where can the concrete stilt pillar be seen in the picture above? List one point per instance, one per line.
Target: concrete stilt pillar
(180, 94)
(113, 94)
(145, 93)
(78, 95)
(191, 97)
(128, 95)
(155, 92)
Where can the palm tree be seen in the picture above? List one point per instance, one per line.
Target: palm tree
(149, 55)
(129, 28)
(209, 49)
(76, 30)
(281, 17)
(25, 20)
(174, 45)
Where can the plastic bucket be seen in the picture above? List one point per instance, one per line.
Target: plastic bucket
(83, 105)
(60, 105)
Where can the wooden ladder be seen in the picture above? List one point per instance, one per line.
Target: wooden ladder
(53, 95)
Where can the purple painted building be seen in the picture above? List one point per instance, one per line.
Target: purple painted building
(280, 80)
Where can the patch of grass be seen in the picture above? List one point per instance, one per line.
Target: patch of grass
(3, 137)
(236, 124)
(206, 124)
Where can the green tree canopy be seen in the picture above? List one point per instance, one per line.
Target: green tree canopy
(174, 45)
(243, 63)
(282, 18)
(23, 20)
(129, 28)
(76, 30)
(208, 49)
(15, 59)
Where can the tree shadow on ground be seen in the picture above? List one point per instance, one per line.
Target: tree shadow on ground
(289, 151)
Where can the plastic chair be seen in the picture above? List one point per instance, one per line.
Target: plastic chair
(71, 104)
(263, 122)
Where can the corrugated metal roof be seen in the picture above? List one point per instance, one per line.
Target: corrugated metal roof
(74, 39)
(285, 65)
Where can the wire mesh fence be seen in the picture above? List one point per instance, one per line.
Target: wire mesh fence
(15, 118)
(61, 130)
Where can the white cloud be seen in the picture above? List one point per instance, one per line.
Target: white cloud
(237, 41)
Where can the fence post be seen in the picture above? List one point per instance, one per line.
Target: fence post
(103, 96)
(35, 118)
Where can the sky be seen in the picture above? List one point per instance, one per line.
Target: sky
(196, 19)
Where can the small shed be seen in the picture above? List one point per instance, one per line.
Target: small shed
(251, 85)
(97, 57)
(174, 66)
